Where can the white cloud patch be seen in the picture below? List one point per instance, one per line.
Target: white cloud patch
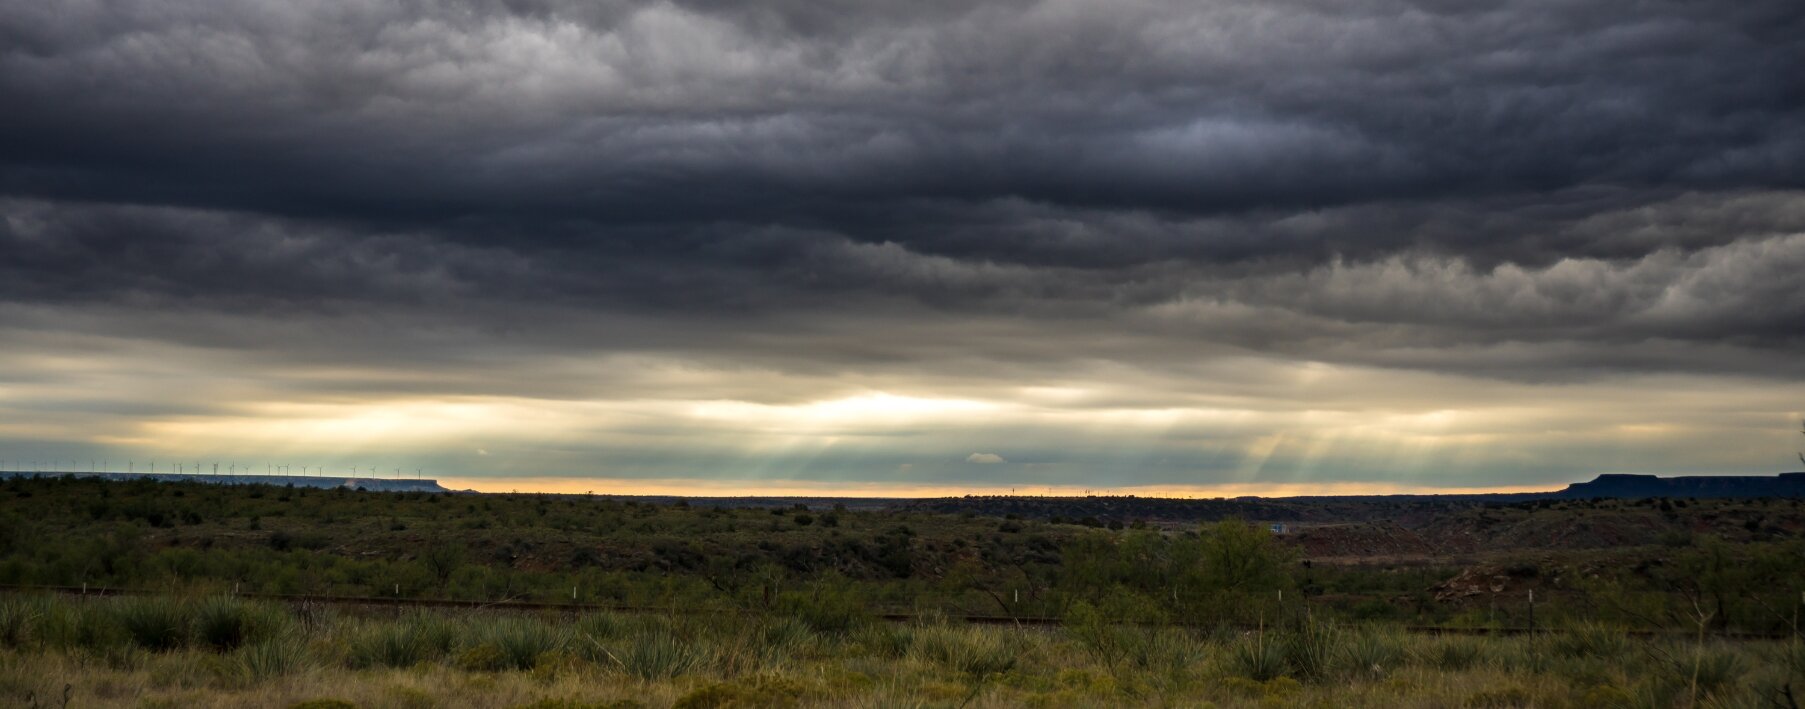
(985, 458)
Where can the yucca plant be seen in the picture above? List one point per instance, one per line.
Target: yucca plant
(15, 622)
(973, 651)
(228, 623)
(155, 624)
(519, 643)
(1259, 656)
(656, 654)
(1372, 653)
(386, 645)
(1591, 640)
(276, 656)
(1315, 650)
(404, 642)
(885, 640)
(1451, 654)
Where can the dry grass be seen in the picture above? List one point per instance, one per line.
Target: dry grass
(478, 660)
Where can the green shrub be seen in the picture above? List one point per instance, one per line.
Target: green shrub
(885, 640)
(16, 617)
(409, 641)
(1591, 640)
(1372, 653)
(786, 637)
(658, 654)
(155, 624)
(977, 652)
(1451, 654)
(67, 626)
(1715, 669)
(1315, 650)
(601, 626)
(1259, 656)
(1166, 650)
(228, 623)
(270, 658)
(516, 644)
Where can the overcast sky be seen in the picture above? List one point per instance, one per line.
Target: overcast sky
(906, 247)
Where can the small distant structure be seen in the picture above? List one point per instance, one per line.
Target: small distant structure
(1279, 528)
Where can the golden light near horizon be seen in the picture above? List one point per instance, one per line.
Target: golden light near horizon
(1195, 435)
(853, 412)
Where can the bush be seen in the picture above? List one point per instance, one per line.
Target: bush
(1372, 653)
(1714, 669)
(64, 626)
(1451, 654)
(155, 624)
(885, 640)
(977, 652)
(1591, 641)
(418, 638)
(658, 654)
(270, 658)
(1315, 651)
(786, 637)
(1259, 656)
(517, 644)
(225, 624)
(15, 619)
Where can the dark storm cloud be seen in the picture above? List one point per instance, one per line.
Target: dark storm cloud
(217, 214)
(772, 112)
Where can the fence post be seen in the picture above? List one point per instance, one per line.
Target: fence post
(1532, 609)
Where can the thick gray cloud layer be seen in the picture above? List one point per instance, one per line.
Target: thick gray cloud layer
(327, 201)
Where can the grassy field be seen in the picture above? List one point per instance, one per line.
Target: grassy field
(222, 652)
(1638, 603)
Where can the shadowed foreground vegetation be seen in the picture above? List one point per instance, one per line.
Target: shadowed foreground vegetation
(219, 652)
(1636, 563)
(781, 606)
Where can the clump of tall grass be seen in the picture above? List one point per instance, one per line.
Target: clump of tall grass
(155, 624)
(600, 626)
(758, 646)
(1117, 646)
(1371, 653)
(56, 623)
(1259, 656)
(16, 617)
(659, 653)
(1591, 640)
(1450, 653)
(973, 651)
(1314, 650)
(885, 640)
(228, 623)
(1166, 651)
(276, 656)
(512, 644)
(1715, 669)
(405, 642)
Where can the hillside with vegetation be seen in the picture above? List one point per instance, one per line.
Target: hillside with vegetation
(417, 599)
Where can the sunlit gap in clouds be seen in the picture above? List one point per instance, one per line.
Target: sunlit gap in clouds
(673, 425)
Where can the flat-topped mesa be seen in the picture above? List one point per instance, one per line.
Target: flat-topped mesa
(313, 481)
(1626, 485)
